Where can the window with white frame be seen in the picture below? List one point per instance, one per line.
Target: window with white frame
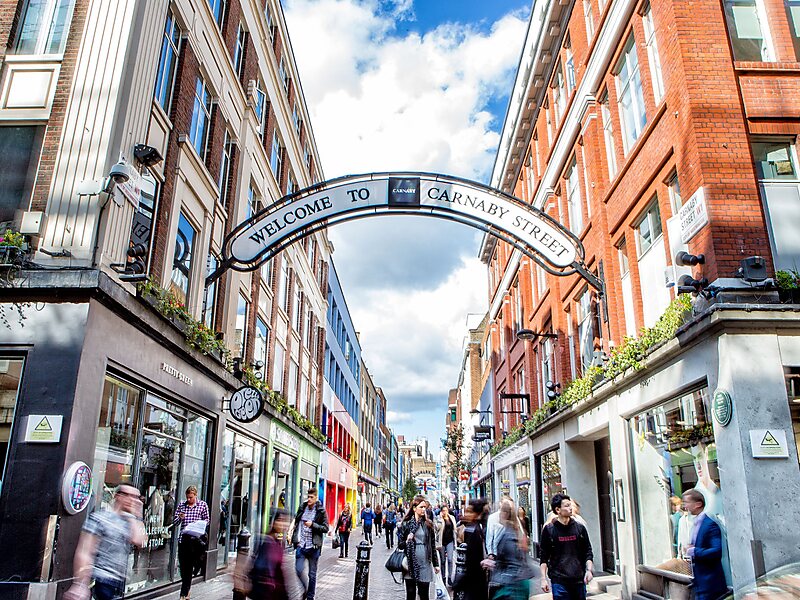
(307, 157)
(674, 189)
(278, 366)
(261, 108)
(43, 26)
(622, 254)
(238, 54)
(283, 74)
(218, 10)
(271, 26)
(168, 63)
(746, 21)
(240, 335)
(291, 184)
(291, 393)
(569, 68)
(487, 349)
(201, 118)
(608, 135)
(546, 365)
(307, 325)
(549, 123)
(649, 228)
(296, 120)
(589, 17)
(297, 307)
(574, 206)
(629, 91)
(793, 13)
(652, 52)
(585, 329)
(559, 93)
(541, 280)
(266, 271)
(225, 168)
(774, 160)
(573, 371)
(183, 261)
(518, 308)
(276, 155)
(253, 201)
(283, 284)
(261, 345)
(210, 294)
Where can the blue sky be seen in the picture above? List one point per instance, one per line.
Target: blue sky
(409, 85)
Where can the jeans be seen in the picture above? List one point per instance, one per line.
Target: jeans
(188, 561)
(423, 589)
(446, 554)
(389, 528)
(109, 590)
(569, 591)
(309, 583)
(378, 526)
(368, 532)
(344, 543)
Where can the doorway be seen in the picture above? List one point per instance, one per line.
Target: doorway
(605, 488)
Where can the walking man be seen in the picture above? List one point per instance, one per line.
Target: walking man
(367, 517)
(705, 551)
(310, 525)
(104, 546)
(389, 523)
(193, 516)
(566, 553)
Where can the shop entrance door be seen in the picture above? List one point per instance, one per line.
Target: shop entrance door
(605, 483)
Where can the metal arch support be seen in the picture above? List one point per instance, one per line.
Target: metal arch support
(299, 215)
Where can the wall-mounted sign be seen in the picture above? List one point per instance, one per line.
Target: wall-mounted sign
(76, 489)
(693, 215)
(280, 435)
(769, 443)
(43, 429)
(246, 404)
(722, 407)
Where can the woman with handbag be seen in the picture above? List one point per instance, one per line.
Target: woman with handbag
(418, 542)
(344, 526)
(266, 576)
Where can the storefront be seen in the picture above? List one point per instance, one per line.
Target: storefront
(293, 468)
(512, 473)
(550, 483)
(338, 483)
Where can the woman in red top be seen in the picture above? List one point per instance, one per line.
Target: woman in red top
(266, 575)
(343, 527)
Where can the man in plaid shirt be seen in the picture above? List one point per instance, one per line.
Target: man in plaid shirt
(191, 546)
(310, 526)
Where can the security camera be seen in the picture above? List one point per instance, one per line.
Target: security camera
(685, 259)
(120, 173)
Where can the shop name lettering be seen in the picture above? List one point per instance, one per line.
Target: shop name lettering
(170, 370)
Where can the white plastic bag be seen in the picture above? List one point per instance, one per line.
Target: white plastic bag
(441, 590)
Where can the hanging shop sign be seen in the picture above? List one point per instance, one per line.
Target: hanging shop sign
(722, 407)
(43, 429)
(769, 443)
(246, 404)
(76, 489)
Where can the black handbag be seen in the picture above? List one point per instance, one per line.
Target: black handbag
(394, 564)
(336, 542)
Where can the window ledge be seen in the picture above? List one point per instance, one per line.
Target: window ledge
(32, 58)
(741, 66)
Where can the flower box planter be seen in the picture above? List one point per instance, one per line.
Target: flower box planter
(790, 296)
(9, 255)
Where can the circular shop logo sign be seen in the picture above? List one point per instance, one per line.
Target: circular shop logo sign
(76, 491)
(246, 404)
(722, 407)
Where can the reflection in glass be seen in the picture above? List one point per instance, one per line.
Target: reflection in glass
(10, 376)
(182, 261)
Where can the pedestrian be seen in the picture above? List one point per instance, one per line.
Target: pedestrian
(378, 520)
(493, 528)
(446, 543)
(389, 525)
(193, 516)
(510, 568)
(525, 521)
(566, 553)
(266, 575)
(473, 580)
(344, 524)
(419, 545)
(367, 517)
(310, 525)
(576, 513)
(705, 550)
(104, 545)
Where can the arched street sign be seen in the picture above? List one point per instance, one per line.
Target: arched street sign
(336, 201)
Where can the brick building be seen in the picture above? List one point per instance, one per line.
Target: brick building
(196, 107)
(649, 129)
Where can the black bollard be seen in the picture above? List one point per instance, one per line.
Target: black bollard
(240, 574)
(461, 567)
(361, 585)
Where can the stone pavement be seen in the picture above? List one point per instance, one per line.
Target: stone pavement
(335, 577)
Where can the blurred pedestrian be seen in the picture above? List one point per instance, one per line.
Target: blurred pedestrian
(104, 545)
(367, 518)
(525, 521)
(378, 520)
(389, 525)
(705, 550)
(473, 579)
(511, 571)
(266, 576)
(446, 543)
(344, 525)
(193, 516)
(310, 525)
(566, 553)
(576, 513)
(419, 545)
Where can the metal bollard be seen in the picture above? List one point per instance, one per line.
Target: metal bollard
(361, 585)
(240, 574)
(461, 567)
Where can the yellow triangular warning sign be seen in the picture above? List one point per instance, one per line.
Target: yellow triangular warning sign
(44, 425)
(769, 440)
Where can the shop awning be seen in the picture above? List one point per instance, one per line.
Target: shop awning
(367, 479)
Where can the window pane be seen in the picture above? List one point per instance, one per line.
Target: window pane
(241, 324)
(43, 27)
(20, 148)
(774, 160)
(167, 63)
(210, 294)
(10, 376)
(262, 344)
(196, 453)
(182, 261)
(793, 12)
(744, 29)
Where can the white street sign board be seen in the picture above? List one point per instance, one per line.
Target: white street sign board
(693, 215)
(769, 443)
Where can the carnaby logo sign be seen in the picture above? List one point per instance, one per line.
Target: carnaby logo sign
(339, 200)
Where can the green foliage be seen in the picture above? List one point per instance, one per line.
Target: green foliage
(12, 238)
(787, 280)
(627, 356)
(454, 445)
(409, 489)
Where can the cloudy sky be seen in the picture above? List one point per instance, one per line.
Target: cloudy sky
(416, 85)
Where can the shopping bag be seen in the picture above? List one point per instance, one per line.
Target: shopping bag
(441, 590)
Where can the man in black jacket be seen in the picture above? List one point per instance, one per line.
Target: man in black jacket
(310, 526)
(566, 553)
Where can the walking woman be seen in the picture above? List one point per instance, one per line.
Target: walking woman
(343, 527)
(473, 582)
(378, 520)
(266, 576)
(511, 570)
(446, 543)
(418, 541)
(192, 515)
(389, 524)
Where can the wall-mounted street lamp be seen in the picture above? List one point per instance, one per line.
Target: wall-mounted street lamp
(530, 335)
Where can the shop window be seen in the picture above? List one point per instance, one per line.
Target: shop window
(548, 467)
(793, 12)
(652, 52)
(746, 30)
(10, 377)
(629, 91)
(182, 261)
(43, 26)
(20, 147)
(792, 375)
(674, 451)
(201, 118)
(160, 448)
(649, 228)
(168, 63)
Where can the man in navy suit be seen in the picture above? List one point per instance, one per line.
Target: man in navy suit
(705, 550)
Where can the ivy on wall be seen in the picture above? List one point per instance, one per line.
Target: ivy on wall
(627, 356)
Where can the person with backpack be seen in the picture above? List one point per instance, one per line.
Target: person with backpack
(389, 523)
(344, 524)
(367, 518)
(310, 525)
(566, 553)
(266, 576)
